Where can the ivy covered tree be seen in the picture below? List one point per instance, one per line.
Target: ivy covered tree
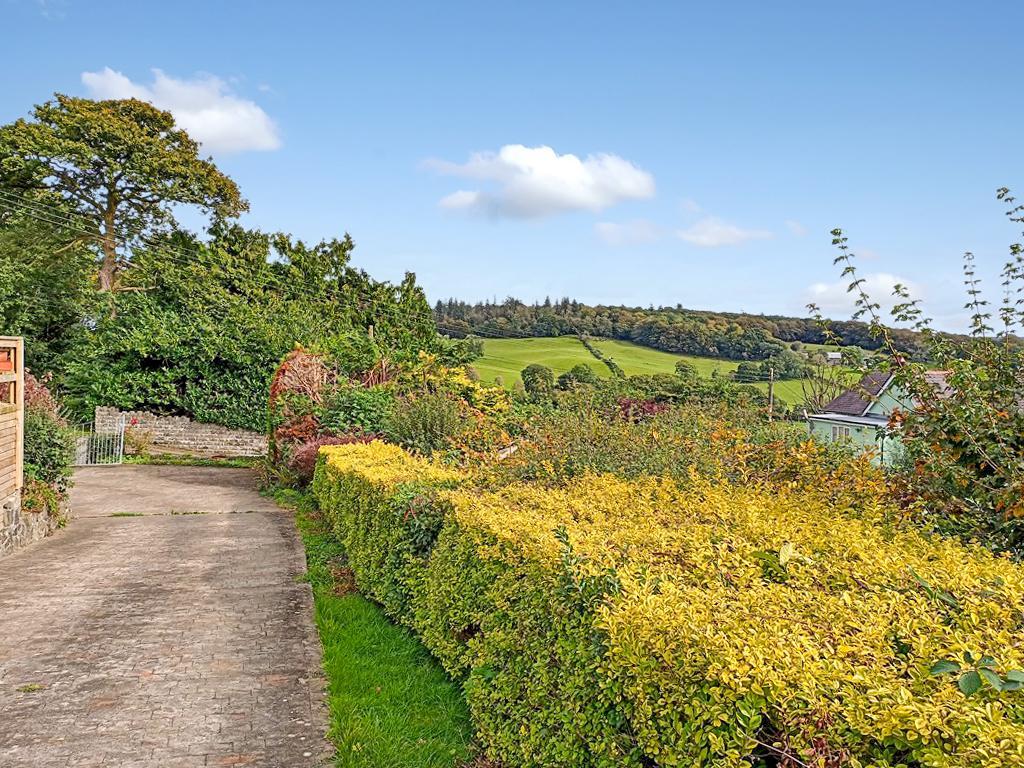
(119, 168)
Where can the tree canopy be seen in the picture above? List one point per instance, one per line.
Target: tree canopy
(118, 166)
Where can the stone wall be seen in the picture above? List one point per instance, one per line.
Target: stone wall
(18, 527)
(180, 433)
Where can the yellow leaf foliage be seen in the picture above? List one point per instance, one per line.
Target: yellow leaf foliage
(385, 464)
(709, 652)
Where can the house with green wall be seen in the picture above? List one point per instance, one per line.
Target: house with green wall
(859, 416)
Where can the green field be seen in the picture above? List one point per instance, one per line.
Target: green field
(507, 357)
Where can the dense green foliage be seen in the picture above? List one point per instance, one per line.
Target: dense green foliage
(426, 422)
(352, 407)
(781, 365)
(49, 449)
(538, 381)
(45, 286)
(203, 336)
(48, 446)
(187, 326)
(578, 374)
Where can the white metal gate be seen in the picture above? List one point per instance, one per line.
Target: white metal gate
(101, 445)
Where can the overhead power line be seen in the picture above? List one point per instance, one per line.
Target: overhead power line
(56, 217)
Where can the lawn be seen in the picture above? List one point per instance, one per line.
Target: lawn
(507, 357)
(635, 359)
(390, 702)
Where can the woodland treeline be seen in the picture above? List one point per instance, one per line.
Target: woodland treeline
(736, 336)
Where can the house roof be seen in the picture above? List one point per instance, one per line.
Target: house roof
(939, 380)
(871, 420)
(857, 400)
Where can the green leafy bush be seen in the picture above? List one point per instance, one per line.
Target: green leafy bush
(206, 335)
(578, 374)
(48, 448)
(356, 408)
(538, 380)
(49, 441)
(427, 422)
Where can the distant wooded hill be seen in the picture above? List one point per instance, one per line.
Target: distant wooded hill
(736, 336)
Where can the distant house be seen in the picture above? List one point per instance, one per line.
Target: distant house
(859, 416)
(834, 358)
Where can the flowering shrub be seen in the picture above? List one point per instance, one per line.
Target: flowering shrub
(632, 409)
(488, 399)
(641, 622)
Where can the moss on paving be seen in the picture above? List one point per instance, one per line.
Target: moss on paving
(390, 702)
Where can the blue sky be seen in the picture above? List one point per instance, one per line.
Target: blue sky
(638, 153)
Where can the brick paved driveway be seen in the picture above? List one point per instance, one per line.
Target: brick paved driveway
(163, 640)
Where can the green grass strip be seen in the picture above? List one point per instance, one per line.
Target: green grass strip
(390, 703)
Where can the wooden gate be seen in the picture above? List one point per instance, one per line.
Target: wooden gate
(12, 415)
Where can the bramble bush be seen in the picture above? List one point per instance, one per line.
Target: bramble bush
(614, 622)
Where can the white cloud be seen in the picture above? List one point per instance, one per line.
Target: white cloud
(635, 232)
(712, 232)
(796, 228)
(835, 301)
(531, 182)
(689, 205)
(52, 10)
(464, 198)
(204, 106)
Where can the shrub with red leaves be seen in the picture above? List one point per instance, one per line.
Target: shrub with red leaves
(303, 458)
(38, 396)
(632, 409)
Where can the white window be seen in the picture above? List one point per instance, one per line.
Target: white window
(840, 433)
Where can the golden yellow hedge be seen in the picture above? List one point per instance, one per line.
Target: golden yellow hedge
(744, 623)
(385, 464)
(833, 620)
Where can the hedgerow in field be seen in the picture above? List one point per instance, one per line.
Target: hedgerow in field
(642, 622)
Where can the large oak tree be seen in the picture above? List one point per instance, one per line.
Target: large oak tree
(119, 165)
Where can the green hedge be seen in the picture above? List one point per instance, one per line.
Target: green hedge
(520, 635)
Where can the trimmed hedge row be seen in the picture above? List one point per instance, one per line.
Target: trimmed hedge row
(643, 624)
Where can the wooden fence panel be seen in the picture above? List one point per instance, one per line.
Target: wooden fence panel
(12, 414)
